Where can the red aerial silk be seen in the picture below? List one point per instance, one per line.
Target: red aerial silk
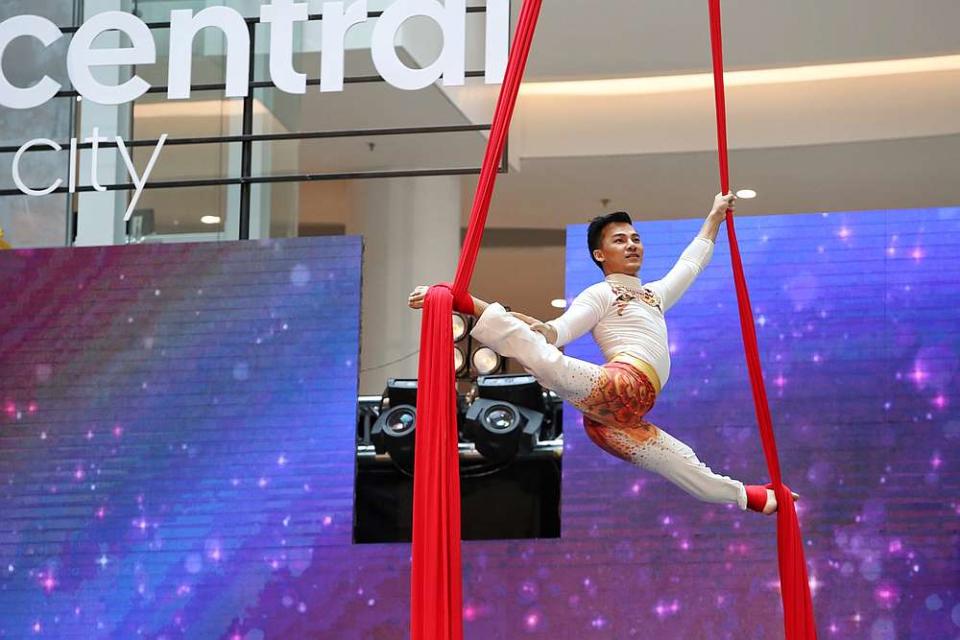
(798, 620)
(436, 578)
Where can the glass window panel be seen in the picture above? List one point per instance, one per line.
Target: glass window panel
(159, 10)
(451, 151)
(188, 214)
(39, 169)
(34, 221)
(208, 60)
(205, 114)
(60, 12)
(360, 106)
(190, 162)
(25, 62)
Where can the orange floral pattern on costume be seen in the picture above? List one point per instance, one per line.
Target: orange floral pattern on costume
(613, 411)
(620, 397)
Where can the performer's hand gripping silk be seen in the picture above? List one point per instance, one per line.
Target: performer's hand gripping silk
(626, 318)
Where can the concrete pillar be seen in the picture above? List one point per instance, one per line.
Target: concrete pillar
(411, 231)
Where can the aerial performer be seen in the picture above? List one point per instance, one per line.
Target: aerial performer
(626, 318)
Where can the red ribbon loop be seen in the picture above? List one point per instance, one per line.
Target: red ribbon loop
(462, 303)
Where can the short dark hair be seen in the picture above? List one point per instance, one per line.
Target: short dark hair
(597, 225)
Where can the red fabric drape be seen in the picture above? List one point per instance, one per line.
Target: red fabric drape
(436, 581)
(794, 588)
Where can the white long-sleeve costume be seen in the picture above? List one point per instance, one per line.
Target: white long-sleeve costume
(639, 328)
(627, 321)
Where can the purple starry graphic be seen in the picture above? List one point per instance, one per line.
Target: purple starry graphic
(177, 441)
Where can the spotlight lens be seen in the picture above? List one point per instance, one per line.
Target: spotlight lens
(400, 421)
(500, 418)
(746, 194)
(486, 360)
(458, 359)
(459, 327)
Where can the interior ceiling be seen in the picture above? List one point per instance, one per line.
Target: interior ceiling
(849, 144)
(629, 38)
(885, 174)
(856, 144)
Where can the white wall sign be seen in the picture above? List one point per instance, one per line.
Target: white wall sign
(281, 15)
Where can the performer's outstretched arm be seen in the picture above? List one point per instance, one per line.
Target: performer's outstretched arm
(695, 257)
(717, 214)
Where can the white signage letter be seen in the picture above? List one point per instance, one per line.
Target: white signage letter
(184, 27)
(81, 56)
(450, 63)
(281, 15)
(16, 167)
(138, 182)
(336, 23)
(47, 33)
(498, 36)
(95, 139)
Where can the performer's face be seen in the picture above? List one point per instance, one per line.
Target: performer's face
(620, 250)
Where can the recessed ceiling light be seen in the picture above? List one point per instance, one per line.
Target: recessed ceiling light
(210, 219)
(558, 303)
(746, 194)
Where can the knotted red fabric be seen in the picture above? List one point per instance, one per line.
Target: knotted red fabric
(798, 621)
(436, 580)
(462, 303)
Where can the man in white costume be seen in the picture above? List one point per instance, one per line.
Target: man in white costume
(627, 320)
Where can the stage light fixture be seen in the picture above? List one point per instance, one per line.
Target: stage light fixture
(401, 391)
(459, 360)
(394, 433)
(486, 361)
(459, 327)
(506, 418)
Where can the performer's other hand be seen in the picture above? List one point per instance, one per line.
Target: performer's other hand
(543, 328)
(417, 296)
(721, 203)
(546, 330)
(528, 319)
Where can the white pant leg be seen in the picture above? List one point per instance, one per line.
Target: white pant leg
(677, 462)
(574, 380)
(569, 378)
(665, 455)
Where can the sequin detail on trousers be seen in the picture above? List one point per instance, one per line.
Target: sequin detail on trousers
(613, 412)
